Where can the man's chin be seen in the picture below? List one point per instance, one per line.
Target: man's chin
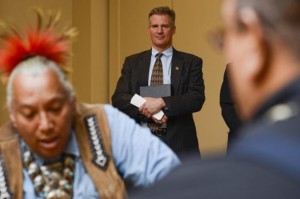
(50, 154)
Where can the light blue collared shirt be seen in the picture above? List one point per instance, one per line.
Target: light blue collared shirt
(166, 61)
(140, 157)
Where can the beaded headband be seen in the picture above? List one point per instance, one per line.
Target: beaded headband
(40, 40)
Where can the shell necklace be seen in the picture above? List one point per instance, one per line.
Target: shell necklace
(53, 180)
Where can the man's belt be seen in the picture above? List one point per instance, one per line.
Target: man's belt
(157, 129)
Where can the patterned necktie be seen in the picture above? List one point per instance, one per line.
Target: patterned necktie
(157, 72)
(157, 79)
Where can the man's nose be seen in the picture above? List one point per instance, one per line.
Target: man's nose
(160, 29)
(45, 122)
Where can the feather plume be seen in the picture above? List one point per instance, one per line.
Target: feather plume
(37, 41)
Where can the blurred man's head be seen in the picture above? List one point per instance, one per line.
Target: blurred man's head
(263, 45)
(41, 105)
(161, 27)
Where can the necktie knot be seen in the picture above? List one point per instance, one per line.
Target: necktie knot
(159, 55)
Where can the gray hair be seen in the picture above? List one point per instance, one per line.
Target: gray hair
(280, 19)
(34, 66)
(163, 11)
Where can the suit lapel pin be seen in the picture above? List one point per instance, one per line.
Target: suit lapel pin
(177, 68)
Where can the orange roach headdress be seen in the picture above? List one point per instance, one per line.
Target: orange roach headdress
(37, 41)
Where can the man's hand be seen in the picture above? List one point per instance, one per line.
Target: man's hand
(152, 106)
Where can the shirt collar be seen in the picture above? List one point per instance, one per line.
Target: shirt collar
(72, 147)
(167, 52)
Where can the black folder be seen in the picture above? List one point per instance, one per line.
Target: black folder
(163, 90)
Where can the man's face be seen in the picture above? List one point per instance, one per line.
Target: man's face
(42, 112)
(161, 32)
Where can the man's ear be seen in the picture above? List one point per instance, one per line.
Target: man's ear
(12, 118)
(149, 28)
(260, 50)
(174, 30)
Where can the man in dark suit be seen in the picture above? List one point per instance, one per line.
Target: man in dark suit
(228, 109)
(263, 45)
(181, 70)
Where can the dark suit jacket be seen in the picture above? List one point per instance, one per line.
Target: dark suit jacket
(228, 109)
(264, 163)
(187, 90)
(222, 179)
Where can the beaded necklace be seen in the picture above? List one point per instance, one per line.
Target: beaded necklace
(53, 180)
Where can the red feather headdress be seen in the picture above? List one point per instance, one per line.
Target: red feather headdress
(37, 41)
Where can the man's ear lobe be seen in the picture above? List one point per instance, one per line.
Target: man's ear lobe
(260, 49)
